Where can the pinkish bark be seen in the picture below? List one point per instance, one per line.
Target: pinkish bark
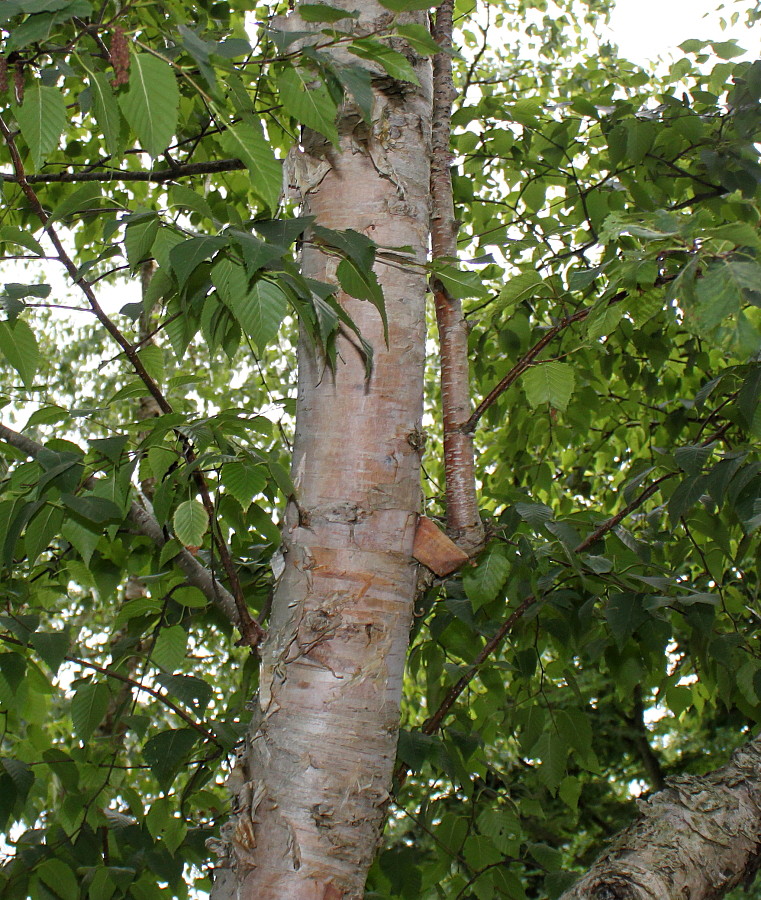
(311, 787)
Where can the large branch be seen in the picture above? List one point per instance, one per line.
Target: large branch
(698, 838)
(147, 524)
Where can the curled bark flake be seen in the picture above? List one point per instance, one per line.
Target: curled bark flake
(119, 55)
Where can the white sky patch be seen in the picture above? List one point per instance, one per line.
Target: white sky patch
(646, 30)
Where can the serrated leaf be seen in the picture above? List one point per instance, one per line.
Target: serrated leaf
(184, 197)
(18, 236)
(552, 750)
(245, 141)
(244, 481)
(19, 346)
(549, 382)
(484, 582)
(520, 287)
(310, 104)
(260, 311)
(190, 523)
(169, 650)
(151, 103)
(52, 647)
(624, 614)
(59, 878)
(407, 5)
(138, 239)
(419, 38)
(363, 284)
(95, 509)
(82, 198)
(107, 113)
(395, 63)
(321, 12)
(185, 256)
(21, 774)
(458, 284)
(88, 707)
(193, 692)
(358, 84)
(166, 751)
(42, 118)
(536, 514)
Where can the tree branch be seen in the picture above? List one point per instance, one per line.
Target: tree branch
(697, 838)
(132, 682)
(197, 575)
(432, 724)
(158, 176)
(463, 519)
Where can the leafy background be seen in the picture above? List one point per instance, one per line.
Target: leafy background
(610, 272)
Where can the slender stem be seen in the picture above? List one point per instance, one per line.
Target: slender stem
(463, 518)
(125, 679)
(180, 170)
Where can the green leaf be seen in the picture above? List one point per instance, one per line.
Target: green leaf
(362, 283)
(184, 197)
(19, 346)
(321, 12)
(95, 509)
(14, 235)
(407, 5)
(484, 582)
(59, 878)
(395, 63)
(88, 707)
(458, 284)
(184, 257)
(259, 311)
(151, 104)
(625, 614)
(83, 197)
(194, 692)
(310, 104)
(169, 650)
(42, 118)
(358, 84)
(107, 113)
(549, 382)
(167, 751)
(52, 647)
(419, 38)
(244, 481)
(246, 142)
(190, 523)
(138, 239)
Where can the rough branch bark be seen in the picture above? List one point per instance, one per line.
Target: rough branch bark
(697, 839)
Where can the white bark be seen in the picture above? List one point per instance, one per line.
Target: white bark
(695, 840)
(312, 783)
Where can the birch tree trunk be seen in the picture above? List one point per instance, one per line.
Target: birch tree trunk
(698, 838)
(311, 785)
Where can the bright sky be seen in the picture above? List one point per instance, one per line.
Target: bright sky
(647, 29)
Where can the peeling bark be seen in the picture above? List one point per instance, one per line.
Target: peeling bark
(695, 840)
(311, 785)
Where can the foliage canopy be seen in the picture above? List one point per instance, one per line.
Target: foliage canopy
(610, 270)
